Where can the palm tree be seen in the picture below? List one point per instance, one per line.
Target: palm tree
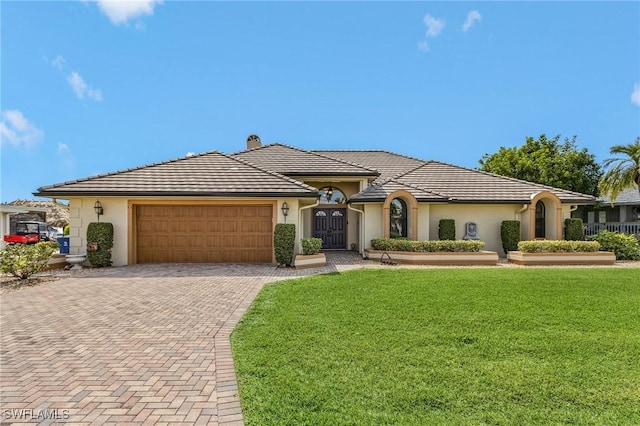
(624, 172)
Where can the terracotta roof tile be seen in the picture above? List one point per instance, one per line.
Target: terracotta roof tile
(207, 174)
(467, 185)
(292, 161)
(388, 164)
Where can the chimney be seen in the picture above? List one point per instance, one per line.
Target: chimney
(253, 141)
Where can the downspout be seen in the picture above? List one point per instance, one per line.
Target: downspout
(300, 224)
(362, 228)
(522, 210)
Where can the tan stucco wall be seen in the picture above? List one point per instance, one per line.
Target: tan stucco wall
(487, 217)
(373, 223)
(115, 211)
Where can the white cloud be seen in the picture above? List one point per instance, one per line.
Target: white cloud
(82, 89)
(121, 11)
(62, 147)
(472, 17)
(58, 62)
(635, 95)
(434, 25)
(190, 154)
(17, 130)
(423, 46)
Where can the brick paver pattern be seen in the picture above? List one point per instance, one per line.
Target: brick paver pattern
(142, 344)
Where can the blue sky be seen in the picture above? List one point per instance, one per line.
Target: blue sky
(93, 87)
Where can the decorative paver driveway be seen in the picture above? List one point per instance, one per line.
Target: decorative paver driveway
(139, 344)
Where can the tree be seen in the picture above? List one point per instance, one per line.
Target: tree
(624, 172)
(548, 162)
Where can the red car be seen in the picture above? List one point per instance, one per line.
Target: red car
(28, 233)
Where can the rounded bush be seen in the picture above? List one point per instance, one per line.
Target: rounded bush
(447, 229)
(311, 245)
(573, 229)
(510, 235)
(626, 247)
(284, 240)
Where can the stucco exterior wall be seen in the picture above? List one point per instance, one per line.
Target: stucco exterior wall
(487, 217)
(373, 223)
(115, 211)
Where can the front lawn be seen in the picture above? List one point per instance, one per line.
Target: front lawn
(444, 346)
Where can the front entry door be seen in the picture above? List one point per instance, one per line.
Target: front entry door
(329, 224)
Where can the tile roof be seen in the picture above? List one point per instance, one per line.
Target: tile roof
(630, 196)
(460, 184)
(208, 174)
(292, 161)
(387, 163)
(380, 191)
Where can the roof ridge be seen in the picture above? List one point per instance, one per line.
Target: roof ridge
(130, 169)
(175, 160)
(386, 151)
(271, 172)
(340, 160)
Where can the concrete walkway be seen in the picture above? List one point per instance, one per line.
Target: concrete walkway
(143, 344)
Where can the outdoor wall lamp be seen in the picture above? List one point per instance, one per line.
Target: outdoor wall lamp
(285, 211)
(97, 207)
(329, 193)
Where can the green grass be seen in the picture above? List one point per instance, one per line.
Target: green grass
(444, 346)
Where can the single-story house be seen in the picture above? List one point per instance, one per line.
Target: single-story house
(215, 207)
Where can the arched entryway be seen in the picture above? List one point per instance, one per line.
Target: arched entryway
(545, 216)
(400, 215)
(330, 218)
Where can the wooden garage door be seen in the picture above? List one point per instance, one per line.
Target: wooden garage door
(204, 234)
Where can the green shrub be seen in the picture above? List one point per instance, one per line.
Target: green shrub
(24, 260)
(573, 230)
(311, 245)
(510, 235)
(558, 246)
(394, 244)
(100, 233)
(66, 230)
(447, 229)
(626, 247)
(284, 240)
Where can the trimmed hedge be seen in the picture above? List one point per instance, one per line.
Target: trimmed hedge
(626, 247)
(510, 235)
(573, 230)
(393, 244)
(311, 245)
(284, 240)
(24, 260)
(558, 246)
(101, 233)
(447, 229)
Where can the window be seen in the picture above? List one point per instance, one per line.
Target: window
(398, 219)
(540, 220)
(337, 196)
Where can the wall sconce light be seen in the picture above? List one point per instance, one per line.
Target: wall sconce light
(285, 211)
(329, 193)
(97, 207)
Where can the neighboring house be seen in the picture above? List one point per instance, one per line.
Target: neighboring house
(621, 214)
(214, 207)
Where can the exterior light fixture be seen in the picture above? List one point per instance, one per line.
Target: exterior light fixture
(97, 207)
(285, 211)
(329, 193)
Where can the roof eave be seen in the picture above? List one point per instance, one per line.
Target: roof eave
(174, 194)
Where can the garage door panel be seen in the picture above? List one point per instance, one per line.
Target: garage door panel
(214, 234)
